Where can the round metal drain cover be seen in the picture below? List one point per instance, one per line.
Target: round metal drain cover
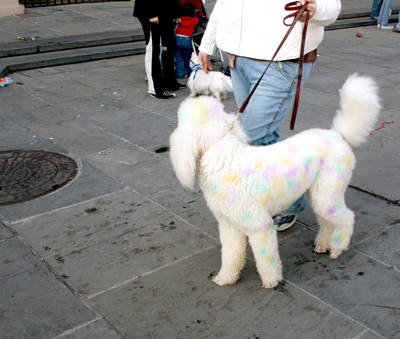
(25, 175)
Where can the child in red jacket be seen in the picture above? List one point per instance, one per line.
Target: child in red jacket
(184, 33)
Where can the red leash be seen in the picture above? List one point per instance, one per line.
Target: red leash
(291, 6)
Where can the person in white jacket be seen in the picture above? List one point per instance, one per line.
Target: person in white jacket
(251, 31)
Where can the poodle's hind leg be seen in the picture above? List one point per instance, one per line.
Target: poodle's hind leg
(342, 231)
(336, 226)
(233, 254)
(265, 250)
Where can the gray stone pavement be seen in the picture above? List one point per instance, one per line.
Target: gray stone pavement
(124, 251)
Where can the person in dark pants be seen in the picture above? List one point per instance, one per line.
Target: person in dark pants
(158, 18)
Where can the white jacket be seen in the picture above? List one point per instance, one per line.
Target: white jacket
(254, 28)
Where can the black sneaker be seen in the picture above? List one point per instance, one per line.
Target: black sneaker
(177, 87)
(165, 95)
(283, 222)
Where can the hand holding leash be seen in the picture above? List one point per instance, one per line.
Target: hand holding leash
(204, 61)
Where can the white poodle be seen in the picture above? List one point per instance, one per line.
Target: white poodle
(245, 186)
(215, 84)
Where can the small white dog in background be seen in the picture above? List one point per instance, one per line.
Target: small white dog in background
(215, 84)
(245, 186)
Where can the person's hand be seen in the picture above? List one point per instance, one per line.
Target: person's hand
(154, 20)
(204, 61)
(178, 20)
(312, 8)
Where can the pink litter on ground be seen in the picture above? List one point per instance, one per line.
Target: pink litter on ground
(329, 75)
(383, 126)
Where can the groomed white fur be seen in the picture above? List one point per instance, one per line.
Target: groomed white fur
(245, 186)
(214, 83)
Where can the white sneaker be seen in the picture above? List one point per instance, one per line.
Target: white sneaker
(283, 222)
(387, 27)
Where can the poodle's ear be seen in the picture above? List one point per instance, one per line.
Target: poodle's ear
(184, 149)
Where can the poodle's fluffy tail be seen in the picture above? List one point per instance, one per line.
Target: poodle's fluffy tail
(359, 109)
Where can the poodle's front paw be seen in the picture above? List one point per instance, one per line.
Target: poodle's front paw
(222, 282)
(320, 249)
(335, 253)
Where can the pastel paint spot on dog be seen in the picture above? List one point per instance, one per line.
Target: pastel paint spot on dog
(347, 161)
(247, 172)
(317, 174)
(272, 261)
(213, 187)
(293, 148)
(339, 239)
(278, 184)
(232, 179)
(248, 217)
(223, 196)
(287, 161)
(264, 251)
(209, 140)
(232, 195)
(304, 177)
(310, 160)
(338, 187)
(269, 172)
(257, 185)
(265, 200)
(258, 164)
(265, 239)
(291, 184)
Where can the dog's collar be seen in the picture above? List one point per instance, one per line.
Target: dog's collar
(226, 130)
(196, 68)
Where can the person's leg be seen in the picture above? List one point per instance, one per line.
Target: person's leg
(268, 106)
(376, 6)
(397, 28)
(383, 20)
(187, 55)
(152, 58)
(168, 58)
(179, 58)
(272, 99)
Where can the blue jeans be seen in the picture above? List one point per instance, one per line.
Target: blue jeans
(384, 13)
(376, 7)
(183, 53)
(398, 24)
(269, 104)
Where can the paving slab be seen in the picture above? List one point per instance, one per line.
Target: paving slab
(110, 240)
(372, 177)
(353, 283)
(90, 183)
(79, 137)
(102, 109)
(16, 137)
(385, 246)
(183, 302)
(31, 297)
(145, 172)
